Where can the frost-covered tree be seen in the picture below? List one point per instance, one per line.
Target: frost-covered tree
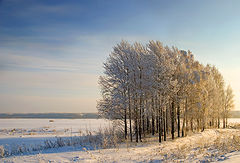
(228, 104)
(160, 90)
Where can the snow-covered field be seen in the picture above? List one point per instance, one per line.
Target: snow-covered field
(23, 135)
(210, 145)
(49, 127)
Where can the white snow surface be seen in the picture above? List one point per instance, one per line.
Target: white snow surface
(193, 148)
(60, 125)
(15, 133)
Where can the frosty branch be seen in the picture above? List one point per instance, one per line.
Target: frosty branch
(155, 89)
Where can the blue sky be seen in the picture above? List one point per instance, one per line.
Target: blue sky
(51, 52)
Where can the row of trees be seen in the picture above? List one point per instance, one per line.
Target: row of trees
(155, 89)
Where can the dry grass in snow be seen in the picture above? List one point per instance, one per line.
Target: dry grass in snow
(210, 145)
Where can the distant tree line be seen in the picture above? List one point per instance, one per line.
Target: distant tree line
(50, 115)
(162, 91)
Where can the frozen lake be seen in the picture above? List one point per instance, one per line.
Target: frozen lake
(49, 127)
(28, 132)
(56, 127)
(58, 124)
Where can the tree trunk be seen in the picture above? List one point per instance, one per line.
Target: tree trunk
(140, 124)
(136, 129)
(178, 119)
(157, 116)
(172, 120)
(218, 121)
(191, 123)
(136, 118)
(153, 124)
(167, 117)
(204, 118)
(164, 126)
(125, 117)
(148, 124)
(186, 118)
(143, 121)
(130, 114)
(183, 125)
(160, 124)
(153, 118)
(226, 121)
(140, 107)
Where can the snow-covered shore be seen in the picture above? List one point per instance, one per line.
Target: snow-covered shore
(210, 145)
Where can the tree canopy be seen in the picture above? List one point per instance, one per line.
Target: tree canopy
(162, 90)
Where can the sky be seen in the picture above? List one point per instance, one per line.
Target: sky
(52, 51)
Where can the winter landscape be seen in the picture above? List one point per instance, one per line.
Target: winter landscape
(119, 81)
(25, 140)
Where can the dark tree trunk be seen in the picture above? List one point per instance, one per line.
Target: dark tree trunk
(153, 118)
(125, 118)
(130, 114)
(203, 120)
(167, 117)
(178, 119)
(140, 121)
(143, 122)
(226, 122)
(148, 124)
(140, 108)
(172, 120)
(164, 126)
(153, 124)
(130, 125)
(203, 126)
(218, 122)
(136, 129)
(136, 119)
(186, 118)
(125, 123)
(159, 125)
(183, 126)
(157, 116)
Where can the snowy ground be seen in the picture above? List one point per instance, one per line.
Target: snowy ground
(195, 148)
(210, 145)
(48, 127)
(17, 135)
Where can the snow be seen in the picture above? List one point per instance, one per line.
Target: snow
(233, 157)
(193, 148)
(146, 152)
(35, 130)
(57, 125)
(32, 133)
